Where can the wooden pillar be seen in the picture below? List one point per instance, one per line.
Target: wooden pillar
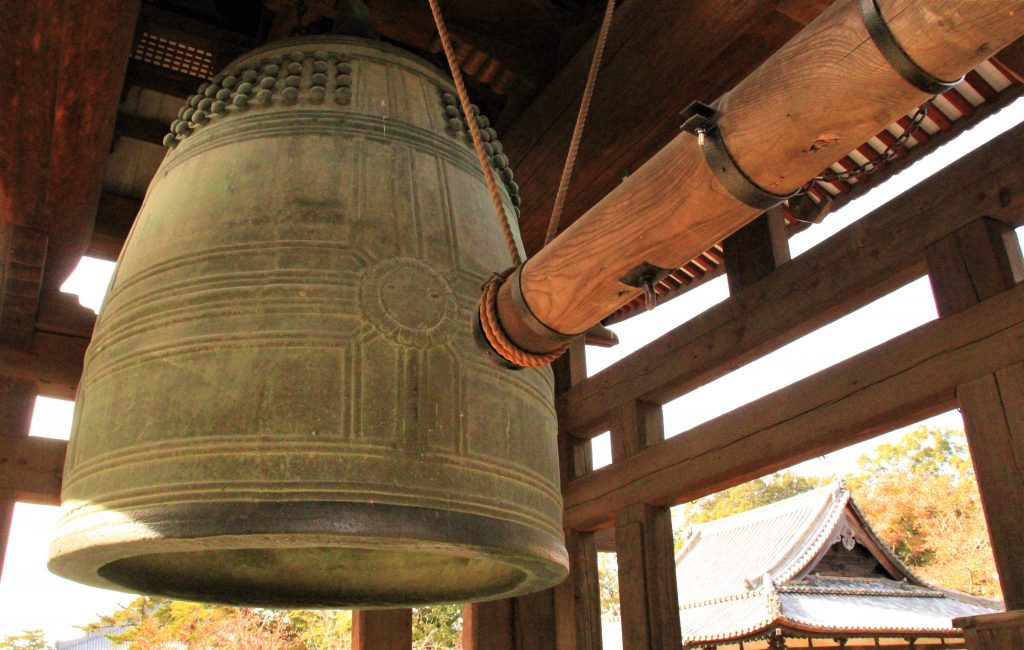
(756, 249)
(648, 598)
(567, 616)
(577, 601)
(17, 399)
(975, 263)
(488, 626)
(382, 629)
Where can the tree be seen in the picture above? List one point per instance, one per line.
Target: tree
(27, 640)
(608, 585)
(921, 497)
(437, 627)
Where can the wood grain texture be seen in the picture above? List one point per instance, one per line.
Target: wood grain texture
(993, 631)
(52, 361)
(488, 626)
(868, 259)
(993, 412)
(638, 96)
(648, 599)
(31, 469)
(382, 629)
(577, 600)
(976, 264)
(893, 384)
(787, 130)
(66, 66)
(755, 250)
(17, 401)
(672, 208)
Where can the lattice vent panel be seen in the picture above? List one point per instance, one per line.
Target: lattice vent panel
(173, 55)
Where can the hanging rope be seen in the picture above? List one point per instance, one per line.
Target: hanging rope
(474, 132)
(581, 119)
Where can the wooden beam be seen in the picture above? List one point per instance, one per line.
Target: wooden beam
(878, 254)
(993, 412)
(521, 623)
(137, 127)
(648, 599)
(31, 469)
(979, 262)
(62, 313)
(381, 629)
(1012, 56)
(52, 361)
(896, 383)
(57, 137)
(756, 249)
(578, 599)
(488, 626)
(638, 96)
(161, 80)
(114, 218)
(17, 401)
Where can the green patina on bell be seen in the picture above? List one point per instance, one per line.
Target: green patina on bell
(282, 404)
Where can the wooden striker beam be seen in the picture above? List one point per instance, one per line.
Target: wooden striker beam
(824, 93)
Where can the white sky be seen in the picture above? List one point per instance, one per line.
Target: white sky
(31, 597)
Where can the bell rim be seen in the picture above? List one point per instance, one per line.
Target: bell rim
(325, 526)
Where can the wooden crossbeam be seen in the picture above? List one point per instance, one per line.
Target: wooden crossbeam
(878, 254)
(114, 218)
(52, 361)
(894, 384)
(137, 127)
(31, 469)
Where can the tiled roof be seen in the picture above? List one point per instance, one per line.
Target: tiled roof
(744, 574)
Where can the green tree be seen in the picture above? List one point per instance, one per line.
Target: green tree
(27, 640)
(437, 627)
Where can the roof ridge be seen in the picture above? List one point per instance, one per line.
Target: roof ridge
(740, 518)
(816, 535)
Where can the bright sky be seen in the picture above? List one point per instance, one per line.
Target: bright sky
(31, 597)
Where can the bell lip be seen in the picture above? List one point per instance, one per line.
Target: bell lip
(225, 526)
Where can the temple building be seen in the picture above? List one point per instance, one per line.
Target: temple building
(809, 572)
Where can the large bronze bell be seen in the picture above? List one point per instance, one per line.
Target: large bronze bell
(282, 404)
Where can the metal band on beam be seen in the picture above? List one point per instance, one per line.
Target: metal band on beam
(702, 121)
(897, 57)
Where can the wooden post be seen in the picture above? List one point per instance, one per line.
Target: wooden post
(993, 631)
(577, 601)
(550, 618)
(17, 399)
(756, 249)
(488, 626)
(648, 598)
(975, 263)
(381, 629)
